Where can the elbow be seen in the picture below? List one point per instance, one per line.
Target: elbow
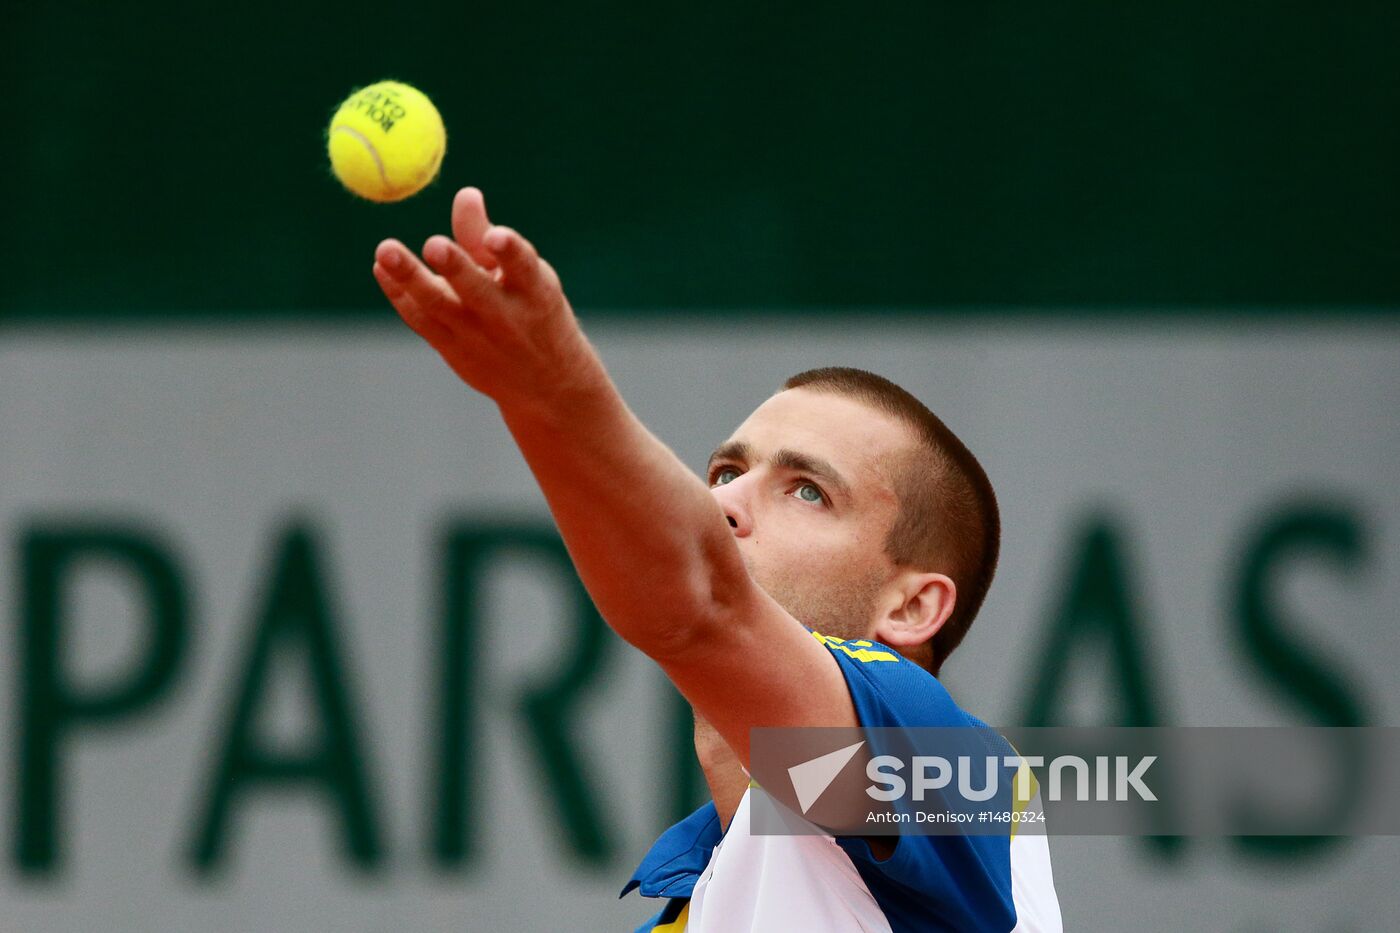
(703, 609)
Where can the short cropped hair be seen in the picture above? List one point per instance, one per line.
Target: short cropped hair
(948, 520)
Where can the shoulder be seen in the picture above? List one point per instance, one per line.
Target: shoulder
(888, 689)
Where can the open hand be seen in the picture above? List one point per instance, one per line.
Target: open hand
(494, 310)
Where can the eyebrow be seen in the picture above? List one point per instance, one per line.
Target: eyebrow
(785, 458)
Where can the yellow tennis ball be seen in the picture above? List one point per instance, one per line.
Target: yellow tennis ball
(386, 141)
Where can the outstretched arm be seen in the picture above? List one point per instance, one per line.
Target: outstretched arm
(648, 539)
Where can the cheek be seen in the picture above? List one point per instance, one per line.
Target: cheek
(797, 542)
(817, 559)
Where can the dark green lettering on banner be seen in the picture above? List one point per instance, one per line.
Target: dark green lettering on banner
(296, 618)
(1301, 674)
(51, 704)
(1100, 608)
(549, 706)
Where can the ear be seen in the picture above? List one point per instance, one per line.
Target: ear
(917, 606)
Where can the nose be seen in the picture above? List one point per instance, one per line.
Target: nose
(733, 501)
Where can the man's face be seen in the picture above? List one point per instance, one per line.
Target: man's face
(806, 484)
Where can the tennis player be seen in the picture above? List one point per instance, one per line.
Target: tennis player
(835, 557)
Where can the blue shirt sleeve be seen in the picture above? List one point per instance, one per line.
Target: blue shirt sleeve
(952, 882)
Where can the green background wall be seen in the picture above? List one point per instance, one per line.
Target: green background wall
(166, 159)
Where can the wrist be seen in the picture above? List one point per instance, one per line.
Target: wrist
(578, 392)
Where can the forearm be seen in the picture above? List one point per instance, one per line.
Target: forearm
(649, 541)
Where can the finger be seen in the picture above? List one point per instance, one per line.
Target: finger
(404, 275)
(519, 261)
(473, 286)
(551, 277)
(423, 323)
(469, 225)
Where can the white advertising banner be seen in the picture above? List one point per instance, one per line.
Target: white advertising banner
(289, 643)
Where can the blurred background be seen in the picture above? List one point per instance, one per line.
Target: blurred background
(290, 642)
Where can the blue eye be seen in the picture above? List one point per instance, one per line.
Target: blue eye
(724, 475)
(805, 488)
